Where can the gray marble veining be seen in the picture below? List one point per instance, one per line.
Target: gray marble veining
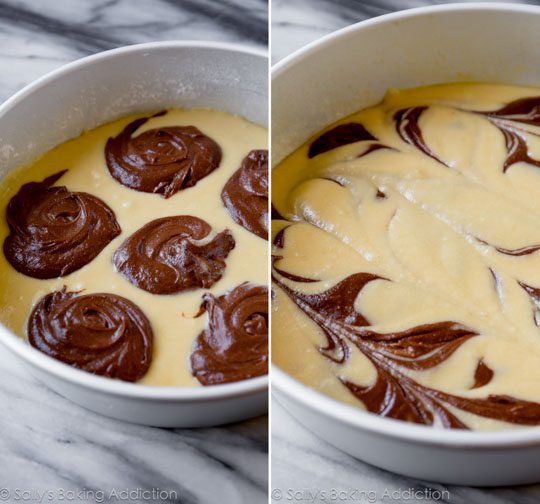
(50, 449)
(304, 468)
(50, 444)
(38, 36)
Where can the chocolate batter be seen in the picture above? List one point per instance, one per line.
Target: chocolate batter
(101, 333)
(173, 254)
(53, 231)
(234, 343)
(246, 193)
(161, 160)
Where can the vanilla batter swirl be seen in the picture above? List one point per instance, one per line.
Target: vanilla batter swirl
(409, 237)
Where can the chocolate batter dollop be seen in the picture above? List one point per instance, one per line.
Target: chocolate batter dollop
(103, 334)
(161, 160)
(246, 193)
(54, 231)
(234, 344)
(174, 254)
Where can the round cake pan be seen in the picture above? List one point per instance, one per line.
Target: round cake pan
(93, 91)
(346, 72)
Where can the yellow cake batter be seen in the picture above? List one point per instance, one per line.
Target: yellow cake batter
(171, 316)
(436, 226)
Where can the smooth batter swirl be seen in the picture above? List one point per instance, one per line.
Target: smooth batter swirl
(162, 160)
(53, 231)
(174, 254)
(234, 344)
(246, 193)
(103, 334)
(406, 258)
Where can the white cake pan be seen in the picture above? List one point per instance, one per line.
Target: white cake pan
(346, 72)
(93, 91)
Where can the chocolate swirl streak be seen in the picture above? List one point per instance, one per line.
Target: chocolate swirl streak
(534, 297)
(534, 292)
(286, 274)
(53, 231)
(523, 110)
(423, 404)
(174, 254)
(278, 242)
(162, 160)
(409, 130)
(234, 344)
(274, 213)
(245, 194)
(373, 148)
(482, 375)
(340, 135)
(335, 303)
(103, 334)
(529, 249)
(291, 276)
(516, 149)
(334, 181)
(394, 393)
(279, 239)
(420, 347)
(500, 407)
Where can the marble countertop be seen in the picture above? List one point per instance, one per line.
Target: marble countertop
(48, 444)
(304, 468)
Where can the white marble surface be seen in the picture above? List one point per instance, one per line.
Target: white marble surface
(304, 468)
(48, 444)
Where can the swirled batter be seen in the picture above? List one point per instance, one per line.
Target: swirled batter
(406, 258)
(136, 318)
